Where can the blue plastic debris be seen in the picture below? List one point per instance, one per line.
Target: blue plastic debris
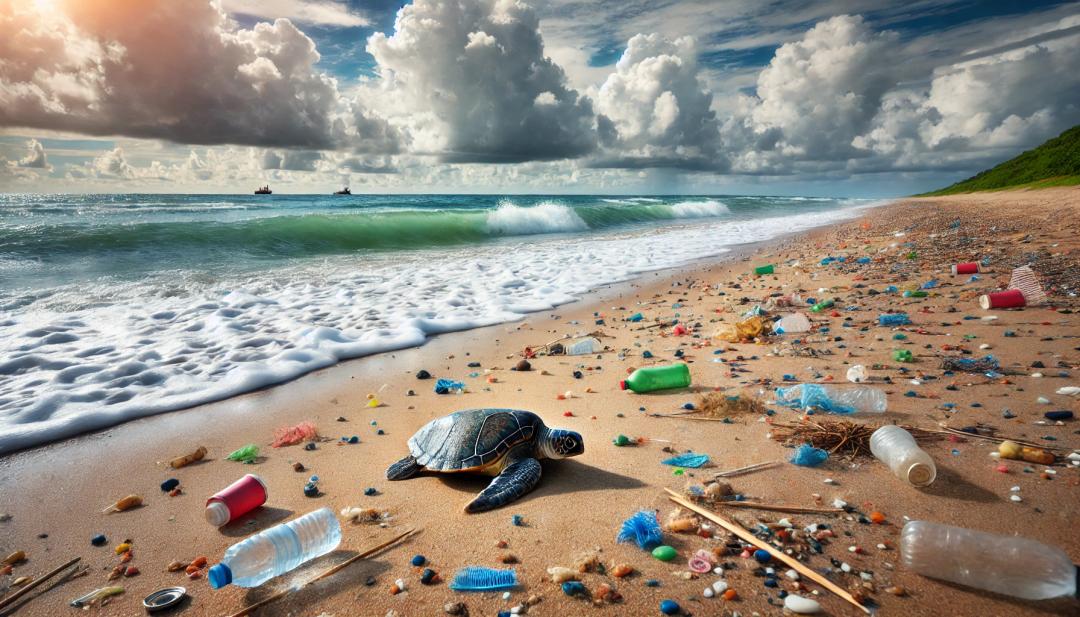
(476, 578)
(669, 607)
(574, 588)
(809, 456)
(810, 395)
(636, 317)
(445, 386)
(687, 460)
(643, 529)
(894, 319)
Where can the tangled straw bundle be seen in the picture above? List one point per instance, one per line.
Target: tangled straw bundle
(722, 405)
(837, 436)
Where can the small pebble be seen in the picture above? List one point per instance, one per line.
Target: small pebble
(311, 490)
(517, 520)
(762, 556)
(169, 485)
(428, 577)
(98, 540)
(369, 491)
(418, 560)
(454, 608)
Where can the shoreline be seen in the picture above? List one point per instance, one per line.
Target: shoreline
(580, 502)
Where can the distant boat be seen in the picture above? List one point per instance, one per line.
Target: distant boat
(264, 190)
(344, 191)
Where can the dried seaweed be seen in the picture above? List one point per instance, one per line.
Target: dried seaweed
(841, 437)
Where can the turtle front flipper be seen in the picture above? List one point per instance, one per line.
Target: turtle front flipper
(514, 481)
(403, 469)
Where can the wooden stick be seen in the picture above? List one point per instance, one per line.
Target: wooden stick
(747, 469)
(780, 508)
(25, 590)
(685, 417)
(333, 570)
(740, 531)
(996, 439)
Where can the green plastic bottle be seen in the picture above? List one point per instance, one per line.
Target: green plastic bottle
(821, 306)
(763, 270)
(657, 378)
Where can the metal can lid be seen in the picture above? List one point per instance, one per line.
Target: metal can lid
(164, 598)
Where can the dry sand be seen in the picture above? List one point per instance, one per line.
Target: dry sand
(60, 489)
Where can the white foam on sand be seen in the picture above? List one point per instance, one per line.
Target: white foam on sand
(85, 357)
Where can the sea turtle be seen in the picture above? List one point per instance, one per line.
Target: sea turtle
(504, 443)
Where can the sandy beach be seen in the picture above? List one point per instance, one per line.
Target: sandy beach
(52, 496)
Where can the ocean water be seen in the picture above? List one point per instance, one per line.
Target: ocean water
(114, 307)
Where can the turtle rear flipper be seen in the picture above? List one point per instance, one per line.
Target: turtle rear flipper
(514, 481)
(403, 469)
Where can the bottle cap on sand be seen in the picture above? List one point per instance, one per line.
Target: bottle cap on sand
(622, 384)
(921, 474)
(217, 513)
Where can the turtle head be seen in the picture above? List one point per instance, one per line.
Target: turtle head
(558, 443)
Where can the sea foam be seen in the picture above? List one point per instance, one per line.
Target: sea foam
(90, 355)
(546, 217)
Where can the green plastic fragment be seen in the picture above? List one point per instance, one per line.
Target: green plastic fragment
(664, 553)
(247, 454)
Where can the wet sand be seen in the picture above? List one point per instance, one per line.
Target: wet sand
(60, 489)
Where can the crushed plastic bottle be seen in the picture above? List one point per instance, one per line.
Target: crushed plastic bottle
(277, 550)
(794, 323)
(1008, 565)
(896, 448)
(584, 346)
(833, 399)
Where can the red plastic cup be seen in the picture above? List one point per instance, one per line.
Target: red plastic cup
(236, 500)
(971, 267)
(1010, 298)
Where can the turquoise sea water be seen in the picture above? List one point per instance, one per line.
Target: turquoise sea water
(118, 306)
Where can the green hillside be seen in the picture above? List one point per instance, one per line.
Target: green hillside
(1055, 163)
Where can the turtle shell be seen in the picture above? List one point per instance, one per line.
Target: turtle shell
(473, 438)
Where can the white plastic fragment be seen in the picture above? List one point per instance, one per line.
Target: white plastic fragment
(801, 605)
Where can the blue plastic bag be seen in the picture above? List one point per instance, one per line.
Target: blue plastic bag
(809, 456)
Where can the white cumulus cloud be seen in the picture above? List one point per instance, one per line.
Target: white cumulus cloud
(474, 85)
(656, 111)
(180, 71)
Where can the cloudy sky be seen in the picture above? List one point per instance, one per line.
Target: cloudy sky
(856, 97)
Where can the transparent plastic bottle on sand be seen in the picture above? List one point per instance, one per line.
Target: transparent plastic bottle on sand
(896, 448)
(277, 550)
(1009, 565)
(834, 399)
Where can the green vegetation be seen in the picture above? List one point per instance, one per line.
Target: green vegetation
(1055, 163)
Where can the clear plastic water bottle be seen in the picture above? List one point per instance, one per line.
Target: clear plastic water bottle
(834, 399)
(277, 550)
(1009, 565)
(896, 448)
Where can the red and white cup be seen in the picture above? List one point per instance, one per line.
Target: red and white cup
(236, 500)
(1010, 298)
(970, 267)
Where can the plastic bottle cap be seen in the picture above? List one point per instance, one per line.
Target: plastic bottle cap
(622, 385)
(217, 513)
(219, 576)
(920, 474)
